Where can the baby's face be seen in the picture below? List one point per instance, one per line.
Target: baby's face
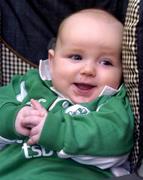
(86, 58)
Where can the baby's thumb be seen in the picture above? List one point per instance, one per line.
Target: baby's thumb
(37, 106)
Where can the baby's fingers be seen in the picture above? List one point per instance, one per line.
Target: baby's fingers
(31, 121)
(37, 106)
(31, 112)
(35, 133)
(33, 140)
(22, 130)
(25, 131)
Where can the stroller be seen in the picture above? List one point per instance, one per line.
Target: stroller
(27, 27)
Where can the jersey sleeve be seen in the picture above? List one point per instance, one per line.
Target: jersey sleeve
(9, 106)
(106, 132)
(12, 99)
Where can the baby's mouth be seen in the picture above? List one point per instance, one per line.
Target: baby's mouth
(84, 86)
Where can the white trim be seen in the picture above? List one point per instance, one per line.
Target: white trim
(108, 91)
(4, 142)
(101, 162)
(23, 92)
(44, 70)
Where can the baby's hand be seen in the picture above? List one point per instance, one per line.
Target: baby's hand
(37, 123)
(25, 120)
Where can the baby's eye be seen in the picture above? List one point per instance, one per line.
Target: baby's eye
(106, 62)
(75, 57)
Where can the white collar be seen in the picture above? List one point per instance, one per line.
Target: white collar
(109, 91)
(44, 70)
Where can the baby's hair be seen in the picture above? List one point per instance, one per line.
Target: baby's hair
(52, 43)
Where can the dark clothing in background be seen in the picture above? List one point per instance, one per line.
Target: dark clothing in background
(28, 25)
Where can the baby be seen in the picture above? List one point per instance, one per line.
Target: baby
(73, 117)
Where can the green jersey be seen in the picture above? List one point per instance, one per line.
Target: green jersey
(78, 141)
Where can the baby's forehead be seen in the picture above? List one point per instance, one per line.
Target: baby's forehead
(87, 26)
(89, 16)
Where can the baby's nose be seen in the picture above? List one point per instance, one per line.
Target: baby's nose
(88, 69)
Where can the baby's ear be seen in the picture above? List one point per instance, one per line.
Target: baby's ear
(51, 53)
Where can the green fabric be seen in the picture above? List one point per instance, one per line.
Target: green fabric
(44, 168)
(102, 133)
(106, 128)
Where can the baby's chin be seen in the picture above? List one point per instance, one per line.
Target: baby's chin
(79, 100)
